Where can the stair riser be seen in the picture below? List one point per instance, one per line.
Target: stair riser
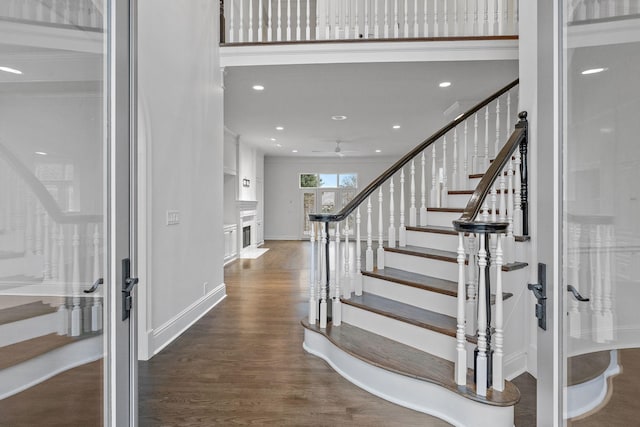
(427, 266)
(473, 182)
(426, 340)
(458, 200)
(432, 301)
(443, 219)
(446, 242)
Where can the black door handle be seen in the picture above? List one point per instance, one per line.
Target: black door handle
(576, 294)
(94, 287)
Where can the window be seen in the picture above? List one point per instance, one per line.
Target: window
(328, 180)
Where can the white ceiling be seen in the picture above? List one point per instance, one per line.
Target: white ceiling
(374, 97)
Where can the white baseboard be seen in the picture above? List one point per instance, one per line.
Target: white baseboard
(515, 364)
(167, 333)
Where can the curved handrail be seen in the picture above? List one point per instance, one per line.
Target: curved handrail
(375, 184)
(48, 202)
(495, 169)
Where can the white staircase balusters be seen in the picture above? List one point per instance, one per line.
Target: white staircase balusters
(347, 20)
(75, 268)
(494, 201)
(434, 196)
(250, 27)
(260, 19)
(476, 17)
(347, 286)
(485, 23)
(510, 244)
(517, 209)
(461, 339)
(327, 21)
(465, 30)
(380, 253)
(289, 20)
(502, 210)
(279, 26)
(406, 20)
(416, 26)
(357, 289)
(241, 22)
(412, 206)
(376, 29)
(337, 5)
(396, 21)
(53, 261)
(76, 312)
(498, 364)
(445, 16)
(386, 20)
(391, 236)
(454, 172)
(444, 194)
(472, 284)
(456, 19)
(425, 29)
(366, 19)
(436, 19)
(312, 276)
(368, 264)
(496, 18)
(475, 166)
(481, 359)
(96, 307)
(496, 147)
(270, 22)
(62, 276)
(356, 29)
(323, 276)
(307, 30)
(336, 303)
(423, 193)
(402, 231)
(231, 24)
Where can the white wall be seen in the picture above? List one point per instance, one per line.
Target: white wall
(181, 159)
(283, 199)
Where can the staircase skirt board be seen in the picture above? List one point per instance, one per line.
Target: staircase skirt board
(406, 391)
(587, 396)
(22, 376)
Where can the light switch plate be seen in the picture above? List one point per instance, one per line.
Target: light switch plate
(173, 217)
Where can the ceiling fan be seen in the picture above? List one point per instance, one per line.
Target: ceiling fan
(338, 151)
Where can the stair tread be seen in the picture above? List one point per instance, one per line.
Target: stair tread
(447, 256)
(420, 281)
(15, 354)
(24, 311)
(427, 319)
(446, 287)
(440, 229)
(454, 210)
(408, 361)
(586, 367)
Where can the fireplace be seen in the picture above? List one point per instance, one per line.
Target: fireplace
(246, 236)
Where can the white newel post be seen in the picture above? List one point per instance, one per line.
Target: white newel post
(392, 227)
(380, 253)
(323, 277)
(481, 365)
(358, 285)
(423, 192)
(402, 231)
(498, 375)
(412, 207)
(337, 307)
(312, 277)
(368, 265)
(461, 351)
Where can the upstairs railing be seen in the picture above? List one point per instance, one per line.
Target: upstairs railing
(87, 14)
(267, 21)
(59, 250)
(585, 11)
(459, 152)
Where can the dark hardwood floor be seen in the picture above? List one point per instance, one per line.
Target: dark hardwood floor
(243, 363)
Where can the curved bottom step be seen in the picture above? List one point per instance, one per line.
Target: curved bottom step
(408, 391)
(587, 396)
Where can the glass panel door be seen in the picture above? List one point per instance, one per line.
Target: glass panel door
(601, 239)
(58, 262)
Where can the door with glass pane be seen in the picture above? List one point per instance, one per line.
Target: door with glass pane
(601, 207)
(64, 216)
(326, 193)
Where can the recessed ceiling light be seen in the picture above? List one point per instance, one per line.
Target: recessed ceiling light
(258, 87)
(10, 70)
(279, 128)
(396, 126)
(294, 151)
(278, 145)
(444, 84)
(338, 118)
(41, 153)
(272, 139)
(593, 71)
(378, 151)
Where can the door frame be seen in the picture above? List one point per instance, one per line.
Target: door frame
(121, 356)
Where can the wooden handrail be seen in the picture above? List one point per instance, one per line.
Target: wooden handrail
(48, 202)
(375, 184)
(497, 166)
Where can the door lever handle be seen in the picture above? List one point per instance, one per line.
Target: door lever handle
(576, 294)
(94, 287)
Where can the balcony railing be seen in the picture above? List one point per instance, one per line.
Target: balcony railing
(269, 21)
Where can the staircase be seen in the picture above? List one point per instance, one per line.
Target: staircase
(422, 323)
